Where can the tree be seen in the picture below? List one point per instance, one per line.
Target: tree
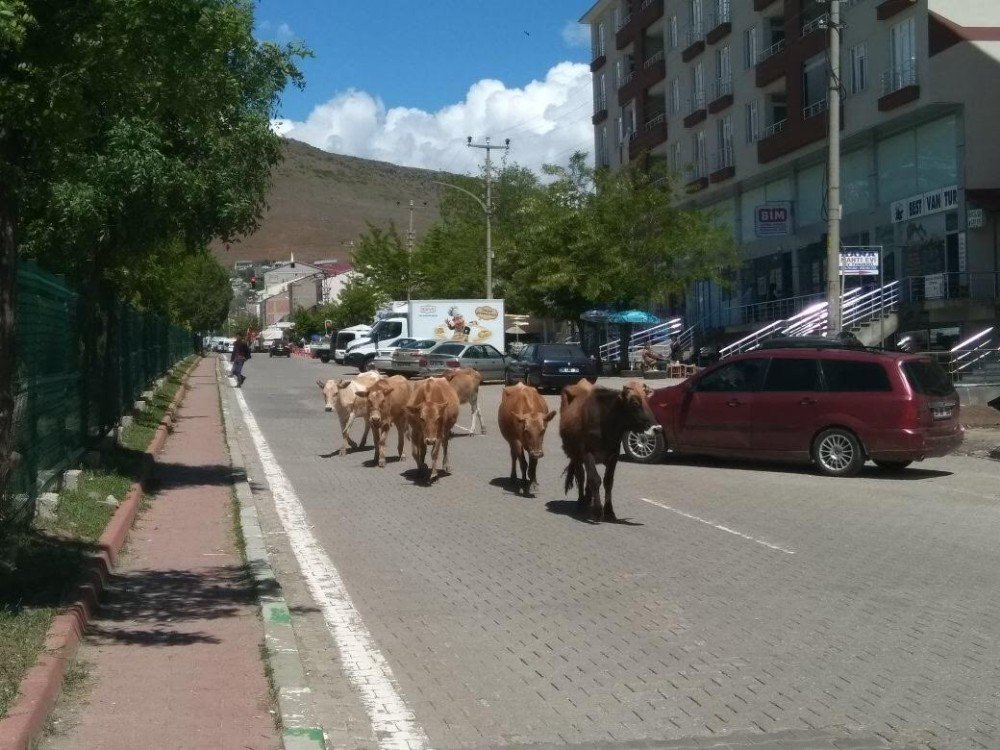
(359, 300)
(382, 260)
(125, 126)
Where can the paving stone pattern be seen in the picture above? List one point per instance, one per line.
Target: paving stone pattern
(508, 621)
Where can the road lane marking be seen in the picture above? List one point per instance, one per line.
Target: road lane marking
(366, 668)
(720, 527)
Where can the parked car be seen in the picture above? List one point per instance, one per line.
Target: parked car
(406, 359)
(483, 357)
(279, 348)
(383, 356)
(835, 406)
(551, 366)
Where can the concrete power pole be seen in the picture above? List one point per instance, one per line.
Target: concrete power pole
(409, 253)
(489, 207)
(833, 178)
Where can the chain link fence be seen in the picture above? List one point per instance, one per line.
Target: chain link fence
(82, 362)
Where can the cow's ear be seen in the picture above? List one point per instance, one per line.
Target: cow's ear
(321, 384)
(413, 409)
(343, 383)
(647, 390)
(550, 416)
(625, 392)
(361, 392)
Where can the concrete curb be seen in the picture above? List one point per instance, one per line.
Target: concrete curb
(299, 728)
(39, 688)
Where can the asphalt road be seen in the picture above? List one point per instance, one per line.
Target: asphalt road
(748, 604)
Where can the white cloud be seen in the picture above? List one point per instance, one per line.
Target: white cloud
(576, 34)
(284, 33)
(545, 120)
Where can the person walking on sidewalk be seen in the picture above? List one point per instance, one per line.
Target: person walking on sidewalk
(241, 353)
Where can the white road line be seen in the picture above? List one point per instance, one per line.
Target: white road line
(370, 674)
(719, 526)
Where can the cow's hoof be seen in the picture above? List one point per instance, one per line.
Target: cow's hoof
(532, 489)
(381, 463)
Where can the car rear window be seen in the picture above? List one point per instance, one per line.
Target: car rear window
(927, 378)
(792, 375)
(844, 376)
(450, 349)
(561, 351)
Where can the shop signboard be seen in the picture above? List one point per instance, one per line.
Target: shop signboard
(934, 286)
(917, 206)
(773, 219)
(860, 261)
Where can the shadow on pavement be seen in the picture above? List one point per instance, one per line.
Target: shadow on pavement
(512, 486)
(568, 508)
(868, 472)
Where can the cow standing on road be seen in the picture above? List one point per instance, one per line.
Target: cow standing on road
(349, 399)
(523, 417)
(431, 413)
(387, 401)
(592, 422)
(466, 382)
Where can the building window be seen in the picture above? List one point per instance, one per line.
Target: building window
(902, 53)
(814, 85)
(621, 129)
(672, 32)
(698, 168)
(675, 157)
(602, 146)
(675, 96)
(724, 142)
(599, 40)
(694, 14)
(724, 72)
(753, 121)
(750, 51)
(698, 87)
(859, 68)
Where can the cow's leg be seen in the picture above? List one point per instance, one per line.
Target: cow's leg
(435, 455)
(609, 483)
(401, 434)
(581, 495)
(347, 433)
(514, 451)
(476, 414)
(532, 478)
(345, 437)
(594, 489)
(447, 461)
(364, 436)
(381, 438)
(420, 456)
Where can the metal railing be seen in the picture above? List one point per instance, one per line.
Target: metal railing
(626, 79)
(693, 33)
(648, 125)
(625, 21)
(899, 77)
(722, 158)
(653, 59)
(773, 129)
(722, 87)
(697, 101)
(771, 51)
(720, 14)
(653, 335)
(983, 286)
(814, 109)
(820, 22)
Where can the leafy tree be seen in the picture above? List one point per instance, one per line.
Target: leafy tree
(200, 293)
(125, 126)
(382, 260)
(359, 300)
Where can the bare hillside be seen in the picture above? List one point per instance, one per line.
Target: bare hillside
(320, 202)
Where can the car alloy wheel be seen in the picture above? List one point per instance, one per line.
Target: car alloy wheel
(838, 453)
(644, 447)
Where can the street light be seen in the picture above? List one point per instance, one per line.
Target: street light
(489, 234)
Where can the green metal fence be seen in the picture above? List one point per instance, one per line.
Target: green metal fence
(82, 362)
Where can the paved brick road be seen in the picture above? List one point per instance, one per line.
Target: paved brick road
(507, 621)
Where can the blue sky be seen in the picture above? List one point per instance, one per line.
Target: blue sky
(404, 82)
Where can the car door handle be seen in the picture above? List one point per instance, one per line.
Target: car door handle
(734, 402)
(808, 401)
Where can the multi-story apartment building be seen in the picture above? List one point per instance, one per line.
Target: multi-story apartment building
(732, 95)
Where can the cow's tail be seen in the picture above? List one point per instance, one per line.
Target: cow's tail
(570, 475)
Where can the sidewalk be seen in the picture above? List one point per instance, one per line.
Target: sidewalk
(173, 659)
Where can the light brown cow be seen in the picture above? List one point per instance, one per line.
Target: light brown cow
(387, 401)
(431, 413)
(523, 417)
(343, 397)
(466, 382)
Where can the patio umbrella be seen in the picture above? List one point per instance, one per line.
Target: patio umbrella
(516, 331)
(633, 317)
(595, 316)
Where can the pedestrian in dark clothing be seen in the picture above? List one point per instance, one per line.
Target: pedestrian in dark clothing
(241, 353)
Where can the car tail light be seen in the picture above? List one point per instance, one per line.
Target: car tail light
(422, 362)
(453, 363)
(911, 414)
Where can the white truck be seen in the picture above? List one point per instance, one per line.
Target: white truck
(477, 321)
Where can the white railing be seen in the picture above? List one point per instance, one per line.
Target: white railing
(697, 102)
(722, 87)
(693, 33)
(976, 350)
(626, 79)
(814, 109)
(773, 129)
(647, 126)
(899, 77)
(659, 333)
(820, 22)
(698, 169)
(646, 4)
(624, 22)
(723, 158)
(720, 14)
(653, 59)
(771, 51)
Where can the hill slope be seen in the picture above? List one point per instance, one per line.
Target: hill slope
(320, 202)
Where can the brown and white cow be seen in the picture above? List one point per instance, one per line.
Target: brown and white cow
(349, 399)
(523, 417)
(466, 382)
(387, 401)
(431, 413)
(592, 423)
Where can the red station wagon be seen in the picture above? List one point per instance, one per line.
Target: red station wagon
(835, 407)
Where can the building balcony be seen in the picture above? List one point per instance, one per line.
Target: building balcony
(600, 114)
(720, 25)
(598, 62)
(817, 24)
(722, 95)
(650, 11)
(771, 63)
(889, 8)
(653, 71)
(815, 109)
(648, 137)
(625, 33)
(787, 136)
(899, 86)
(694, 43)
(698, 112)
(722, 166)
(762, 5)
(697, 176)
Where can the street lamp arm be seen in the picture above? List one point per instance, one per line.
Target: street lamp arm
(463, 190)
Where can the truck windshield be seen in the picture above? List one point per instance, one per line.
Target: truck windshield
(386, 329)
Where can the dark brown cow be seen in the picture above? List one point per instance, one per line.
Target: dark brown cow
(387, 401)
(431, 413)
(523, 417)
(592, 422)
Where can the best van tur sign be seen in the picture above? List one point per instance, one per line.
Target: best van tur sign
(933, 202)
(773, 220)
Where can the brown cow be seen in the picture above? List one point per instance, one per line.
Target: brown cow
(592, 423)
(466, 382)
(523, 417)
(387, 401)
(431, 413)
(347, 397)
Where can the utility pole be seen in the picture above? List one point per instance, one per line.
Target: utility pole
(489, 206)
(833, 178)
(409, 252)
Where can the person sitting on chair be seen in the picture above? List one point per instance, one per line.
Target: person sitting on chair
(650, 359)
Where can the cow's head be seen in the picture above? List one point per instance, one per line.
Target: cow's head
(533, 431)
(378, 394)
(330, 389)
(634, 399)
(428, 416)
